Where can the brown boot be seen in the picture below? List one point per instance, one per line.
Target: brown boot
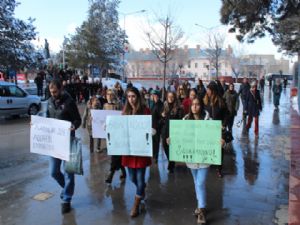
(136, 207)
(201, 217)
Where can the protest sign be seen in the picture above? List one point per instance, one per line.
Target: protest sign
(195, 141)
(50, 137)
(129, 135)
(98, 121)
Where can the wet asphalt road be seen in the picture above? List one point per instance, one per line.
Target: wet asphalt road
(254, 189)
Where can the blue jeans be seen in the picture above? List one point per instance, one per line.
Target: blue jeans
(137, 176)
(65, 180)
(199, 176)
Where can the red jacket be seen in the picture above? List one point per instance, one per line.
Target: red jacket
(137, 161)
(186, 103)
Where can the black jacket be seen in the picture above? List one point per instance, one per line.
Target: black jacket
(64, 108)
(253, 103)
(156, 111)
(165, 121)
(244, 89)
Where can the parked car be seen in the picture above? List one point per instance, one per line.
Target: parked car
(16, 101)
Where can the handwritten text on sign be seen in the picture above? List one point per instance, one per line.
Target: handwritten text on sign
(50, 137)
(129, 135)
(195, 141)
(98, 121)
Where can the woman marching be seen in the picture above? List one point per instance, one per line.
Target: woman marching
(93, 103)
(136, 164)
(116, 161)
(215, 106)
(171, 111)
(199, 171)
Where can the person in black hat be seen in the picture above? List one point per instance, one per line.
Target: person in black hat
(156, 111)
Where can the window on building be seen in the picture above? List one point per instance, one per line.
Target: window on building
(189, 64)
(196, 74)
(204, 65)
(225, 73)
(196, 65)
(204, 74)
(226, 64)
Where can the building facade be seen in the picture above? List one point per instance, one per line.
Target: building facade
(186, 63)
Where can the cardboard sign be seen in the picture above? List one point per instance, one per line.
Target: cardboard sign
(195, 141)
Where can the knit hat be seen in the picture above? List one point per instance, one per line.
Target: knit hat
(155, 92)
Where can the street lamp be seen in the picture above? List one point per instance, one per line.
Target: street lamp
(124, 25)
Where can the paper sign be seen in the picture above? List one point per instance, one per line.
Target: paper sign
(129, 135)
(195, 141)
(50, 137)
(98, 121)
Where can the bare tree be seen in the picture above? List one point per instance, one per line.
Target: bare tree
(164, 40)
(215, 44)
(235, 60)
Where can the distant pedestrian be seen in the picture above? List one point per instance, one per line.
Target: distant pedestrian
(277, 89)
(61, 106)
(253, 107)
(231, 98)
(243, 92)
(285, 82)
(39, 81)
(262, 84)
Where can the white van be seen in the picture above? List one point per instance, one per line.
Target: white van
(16, 101)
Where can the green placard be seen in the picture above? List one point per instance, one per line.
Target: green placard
(195, 141)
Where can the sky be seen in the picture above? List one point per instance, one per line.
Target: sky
(55, 19)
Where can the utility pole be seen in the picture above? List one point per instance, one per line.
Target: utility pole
(165, 57)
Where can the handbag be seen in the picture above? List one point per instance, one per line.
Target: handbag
(74, 165)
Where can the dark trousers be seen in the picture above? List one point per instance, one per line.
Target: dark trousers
(230, 121)
(156, 141)
(167, 151)
(92, 143)
(40, 91)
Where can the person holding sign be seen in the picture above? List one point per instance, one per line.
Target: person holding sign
(93, 103)
(61, 106)
(199, 171)
(171, 111)
(116, 160)
(136, 164)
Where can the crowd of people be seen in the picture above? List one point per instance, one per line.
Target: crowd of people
(215, 101)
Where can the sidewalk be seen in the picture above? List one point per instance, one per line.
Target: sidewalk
(294, 190)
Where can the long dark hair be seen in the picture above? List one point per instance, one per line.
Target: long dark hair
(174, 107)
(128, 110)
(190, 116)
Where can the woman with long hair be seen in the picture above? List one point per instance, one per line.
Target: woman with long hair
(181, 93)
(199, 171)
(215, 106)
(116, 160)
(136, 164)
(172, 110)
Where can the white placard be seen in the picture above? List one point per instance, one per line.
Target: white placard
(98, 121)
(50, 137)
(129, 135)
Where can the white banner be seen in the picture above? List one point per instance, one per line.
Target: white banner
(129, 135)
(98, 121)
(50, 137)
